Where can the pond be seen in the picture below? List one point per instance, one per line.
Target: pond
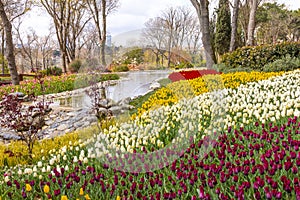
(131, 84)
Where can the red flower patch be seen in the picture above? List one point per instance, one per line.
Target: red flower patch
(191, 74)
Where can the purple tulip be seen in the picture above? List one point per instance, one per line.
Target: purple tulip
(257, 195)
(57, 192)
(24, 195)
(278, 195)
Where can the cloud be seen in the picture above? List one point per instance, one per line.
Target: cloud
(132, 14)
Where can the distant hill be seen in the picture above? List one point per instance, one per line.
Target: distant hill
(128, 39)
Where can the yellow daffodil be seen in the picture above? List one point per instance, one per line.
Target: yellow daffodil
(28, 187)
(81, 192)
(87, 197)
(46, 189)
(64, 197)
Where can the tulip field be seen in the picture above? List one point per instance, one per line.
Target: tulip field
(216, 137)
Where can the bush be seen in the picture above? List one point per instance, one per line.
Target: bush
(286, 63)
(257, 57)
(120, 68)
(221, 67)
(184, 65)
(52, 71)
(135, 56)
(106, 77)
(75, 65)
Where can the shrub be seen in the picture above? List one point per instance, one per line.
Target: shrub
(286, 63)
(52, 71)
(135, 56)
(75, 65)
(106, 77)
(257, 57)
(221, 67)
(120, 68)
(184, 65)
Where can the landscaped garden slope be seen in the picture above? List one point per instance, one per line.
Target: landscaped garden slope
(175, 91)
(55, 84)
(254, 155)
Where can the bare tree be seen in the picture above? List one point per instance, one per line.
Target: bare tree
(46, 45)
(251, 24)
(89, 40)
(201, 7)
(78, 20)
(67, 17)
(153, 34)
(171, 25)
(100, 9)
(28, 45)
(174, 31)
(193, 38)
(8, 12)
(60, 11)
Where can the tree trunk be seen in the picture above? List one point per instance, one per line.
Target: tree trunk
(234, 24)
(2, 52)
(251, 24)
(103, 41)
(10, 46)
(201, 7)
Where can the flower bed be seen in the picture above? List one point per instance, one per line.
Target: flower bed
(53, 84)
(177, 90)
(190, 74)
(254, 151)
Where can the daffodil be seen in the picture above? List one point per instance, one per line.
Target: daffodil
(87, 197)
(46, 189)
(28, 187)
(64, 197)
(81, 192)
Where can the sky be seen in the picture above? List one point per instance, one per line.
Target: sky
(129, 18)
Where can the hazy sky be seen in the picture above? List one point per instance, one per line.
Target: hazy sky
(131, 15)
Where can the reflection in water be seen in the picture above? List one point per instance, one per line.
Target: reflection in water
(133, 84)
(136, 83)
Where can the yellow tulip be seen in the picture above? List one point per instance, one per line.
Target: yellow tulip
(28, 187)
(118, 198)
(64, 197)
(87, 197)
(46, 189)
(81, 192)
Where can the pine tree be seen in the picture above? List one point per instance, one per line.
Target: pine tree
(223, 28)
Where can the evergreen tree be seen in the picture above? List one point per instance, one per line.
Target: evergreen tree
(223, 28)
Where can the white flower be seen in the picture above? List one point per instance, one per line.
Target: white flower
(75, 159)
(51, 161)
(6, 179)
(85, 160)
(40, 164)
(28, 171)
(43, 169)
